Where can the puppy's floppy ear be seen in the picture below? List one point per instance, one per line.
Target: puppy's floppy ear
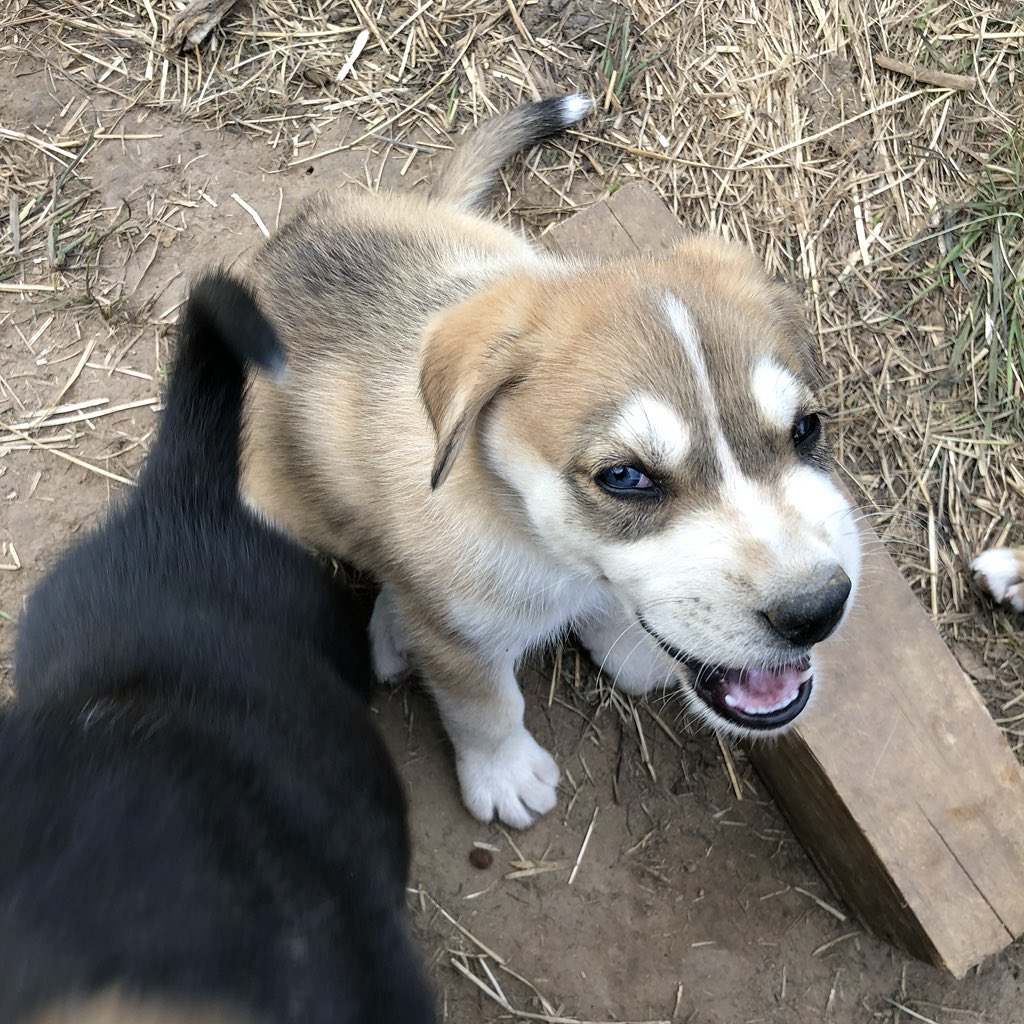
(469, 355)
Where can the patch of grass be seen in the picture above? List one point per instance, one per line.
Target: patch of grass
(979, 276)
(52, 225)
(619, 64)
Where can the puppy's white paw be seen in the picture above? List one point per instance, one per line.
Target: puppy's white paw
(388, 642)
(514, 781)
(626, 655)
(999, 573)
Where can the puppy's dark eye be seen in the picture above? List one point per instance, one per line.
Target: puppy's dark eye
(806, 431)
(624, 479)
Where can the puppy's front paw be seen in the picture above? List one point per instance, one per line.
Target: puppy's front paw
(514, 781)
(999, 572)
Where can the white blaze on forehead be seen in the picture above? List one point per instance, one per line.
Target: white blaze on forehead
(757, 515)
(755, 509)
(679, 318)
(686, 332)
(776, 391)
(649, 425)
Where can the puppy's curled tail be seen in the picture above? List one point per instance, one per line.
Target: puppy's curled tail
(470, 171)
(194, 461)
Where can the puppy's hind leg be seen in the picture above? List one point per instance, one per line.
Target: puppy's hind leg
(503, 771)
(625, 654)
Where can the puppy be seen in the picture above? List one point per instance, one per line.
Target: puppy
(200, 821)
(517, 444)
(999, 573)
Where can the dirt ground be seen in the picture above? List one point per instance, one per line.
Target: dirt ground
(690, 903)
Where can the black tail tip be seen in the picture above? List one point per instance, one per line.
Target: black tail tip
(221, 304)
(560, 112)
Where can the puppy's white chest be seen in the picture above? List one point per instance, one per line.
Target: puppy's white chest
(510, 619)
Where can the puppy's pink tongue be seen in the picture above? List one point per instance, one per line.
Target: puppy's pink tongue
(759, 691)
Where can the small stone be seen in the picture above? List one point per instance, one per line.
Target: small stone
(316, 76)
(481, 858)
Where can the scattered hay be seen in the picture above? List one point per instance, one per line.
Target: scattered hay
(482, 967)
(50, 223)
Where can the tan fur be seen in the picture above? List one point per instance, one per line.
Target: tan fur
(466, 176)
(469, 354)
(114, 1007)
(439, 368)
(342, 397)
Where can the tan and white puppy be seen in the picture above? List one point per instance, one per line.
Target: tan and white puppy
(517, 445)
(999, 572)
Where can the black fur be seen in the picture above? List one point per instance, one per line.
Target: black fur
(547, 117)
(194, 801)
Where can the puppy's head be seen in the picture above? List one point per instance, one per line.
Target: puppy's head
(661, 422)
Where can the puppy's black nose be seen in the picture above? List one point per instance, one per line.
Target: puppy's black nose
(808, 617)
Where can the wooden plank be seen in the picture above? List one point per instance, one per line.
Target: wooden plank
(898, 783)
(916, 809)
(631, 221)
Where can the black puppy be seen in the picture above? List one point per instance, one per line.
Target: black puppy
(198, 819)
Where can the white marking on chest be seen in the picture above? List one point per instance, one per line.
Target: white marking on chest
(650, 426)
(777, 393)
(522, 609)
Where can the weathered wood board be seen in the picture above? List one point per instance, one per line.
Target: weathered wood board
(898, 783)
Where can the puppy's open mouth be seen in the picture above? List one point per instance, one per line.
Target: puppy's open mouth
(754, 698)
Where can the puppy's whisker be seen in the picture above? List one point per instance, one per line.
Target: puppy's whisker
(629, 653)
(611, 648)
(894, 516)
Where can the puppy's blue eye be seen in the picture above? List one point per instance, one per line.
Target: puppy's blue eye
(807, 430)
(621, 479)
